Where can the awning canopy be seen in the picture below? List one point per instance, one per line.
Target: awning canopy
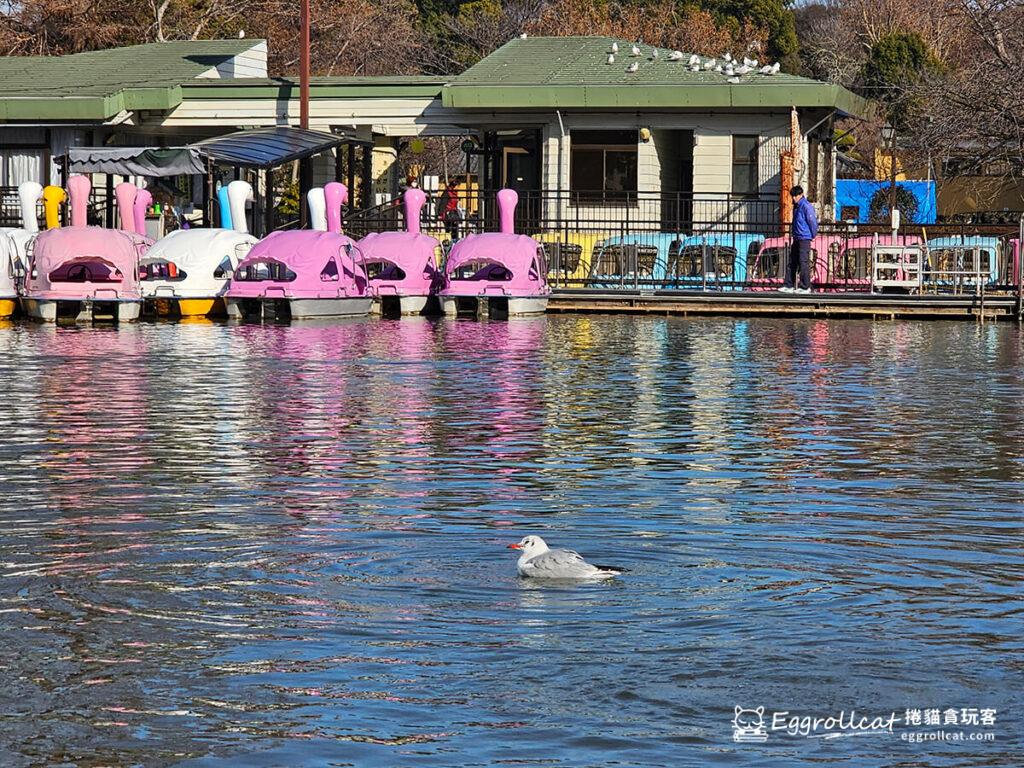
(268, 147)
(261, 148)
(135, 161)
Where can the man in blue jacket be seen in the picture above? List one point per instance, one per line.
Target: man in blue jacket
(805, 227)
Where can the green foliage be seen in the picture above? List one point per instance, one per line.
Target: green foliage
(288, 199)
(896, 63)
(906, 203)
(773, 15)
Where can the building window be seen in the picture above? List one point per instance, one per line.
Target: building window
(603, 165)
(22, 164)
(744, 165)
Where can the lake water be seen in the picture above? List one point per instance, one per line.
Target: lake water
(285, 545)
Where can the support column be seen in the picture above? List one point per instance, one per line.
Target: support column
(367, 185)
(351, 175)
(269, 212)
(108, 213)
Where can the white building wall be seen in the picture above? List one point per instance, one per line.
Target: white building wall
(391, 117)
(657, 163)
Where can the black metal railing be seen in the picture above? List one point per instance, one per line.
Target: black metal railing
(539, 212)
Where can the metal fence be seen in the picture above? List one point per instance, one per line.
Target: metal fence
(706, 242)
(544, 212)
(710, 242)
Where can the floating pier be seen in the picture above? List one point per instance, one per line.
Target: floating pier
(874, 305)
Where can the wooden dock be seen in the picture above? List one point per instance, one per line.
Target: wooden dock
(754, 303)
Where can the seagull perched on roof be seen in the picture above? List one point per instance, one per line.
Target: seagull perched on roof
(709, 65)
(615, 47)
(734, 80)
(539, 561)
(241, 34)
(727, 56)
(635, 50)
(654, 54)
(766, 69)
(776, 67)
(611, 58)
(522, 36)
(695, 67)
(694, 59)
(729, 70)
(676, 56)
(744, 70)
(633, 67)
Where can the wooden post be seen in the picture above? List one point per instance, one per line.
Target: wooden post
(785, 200)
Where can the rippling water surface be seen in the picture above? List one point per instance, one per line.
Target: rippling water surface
(285, 545)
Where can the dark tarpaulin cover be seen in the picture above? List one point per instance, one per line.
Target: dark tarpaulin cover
(268, 147)
(259, 148)
(136, 161)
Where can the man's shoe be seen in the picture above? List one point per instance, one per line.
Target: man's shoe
(786, 289)
(802, 290)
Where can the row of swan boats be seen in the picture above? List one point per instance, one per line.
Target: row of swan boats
(82, 272)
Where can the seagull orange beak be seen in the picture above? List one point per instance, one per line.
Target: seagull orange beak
(515, 546)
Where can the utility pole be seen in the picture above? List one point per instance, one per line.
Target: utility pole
(305, 171)
(304, 64)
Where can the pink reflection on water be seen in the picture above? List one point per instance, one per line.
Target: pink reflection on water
(94, 401)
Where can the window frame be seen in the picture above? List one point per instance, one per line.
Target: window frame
(604, 196)
(748, 163)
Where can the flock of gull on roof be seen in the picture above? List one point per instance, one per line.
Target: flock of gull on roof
(731, 68)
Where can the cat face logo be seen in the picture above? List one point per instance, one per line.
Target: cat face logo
(748, 726)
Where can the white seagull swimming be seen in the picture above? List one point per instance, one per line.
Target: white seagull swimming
(539, 562)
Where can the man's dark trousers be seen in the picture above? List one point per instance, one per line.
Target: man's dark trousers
(799, 256)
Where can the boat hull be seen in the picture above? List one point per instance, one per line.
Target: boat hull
(495, 307)
(405, 305)
(7, 307)
(165, 307)
(70, 310)
(298, 308)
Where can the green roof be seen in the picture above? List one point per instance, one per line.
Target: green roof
(99, 84)
(573, 72)
(368, 87)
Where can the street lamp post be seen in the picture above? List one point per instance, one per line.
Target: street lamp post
(889, 136)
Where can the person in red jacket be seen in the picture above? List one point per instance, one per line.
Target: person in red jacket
(448, 210)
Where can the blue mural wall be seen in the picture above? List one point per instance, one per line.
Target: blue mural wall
(858, 192)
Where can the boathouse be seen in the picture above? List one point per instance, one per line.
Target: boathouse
(549, 116)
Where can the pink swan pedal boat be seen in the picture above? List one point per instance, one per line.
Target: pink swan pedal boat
(299, 273)
(82, 272)
(496, 273)
(402, 266)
